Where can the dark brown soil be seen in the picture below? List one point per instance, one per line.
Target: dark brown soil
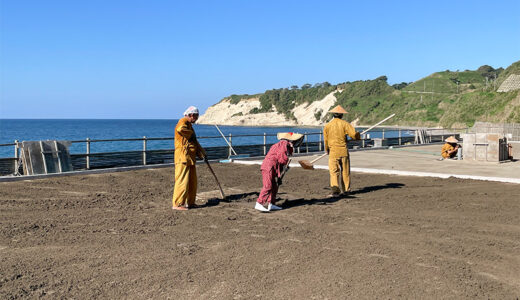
(115, 236)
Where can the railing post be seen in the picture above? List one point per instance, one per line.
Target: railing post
(88, 154)
(230, 145)
(383, 136)
(16, 157)
(144, 150)
(306, 143)
(399, 136)
(265, 146)
(319, 142)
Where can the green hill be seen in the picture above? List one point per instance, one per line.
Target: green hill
(447, 98)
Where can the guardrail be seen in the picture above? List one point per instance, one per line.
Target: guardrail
(313, 142)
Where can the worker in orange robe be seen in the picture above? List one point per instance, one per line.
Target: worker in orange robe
(335, 138)
(450, 149)
(186, 149)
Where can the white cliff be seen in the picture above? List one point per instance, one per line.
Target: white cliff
(305, 113)
(226, 113)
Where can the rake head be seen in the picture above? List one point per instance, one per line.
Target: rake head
(307, 165)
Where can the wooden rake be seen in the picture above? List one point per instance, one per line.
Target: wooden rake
(308, 165)
(216, 179)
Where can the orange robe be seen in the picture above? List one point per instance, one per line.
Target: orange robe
(445, 151)
(334, 135)
(186, 149)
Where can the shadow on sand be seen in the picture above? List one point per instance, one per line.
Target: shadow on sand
(368, 189)
(304, 201)
(327, 200)
(229, 198)
(313, 201)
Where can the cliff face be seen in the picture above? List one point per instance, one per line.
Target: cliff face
(226, 113)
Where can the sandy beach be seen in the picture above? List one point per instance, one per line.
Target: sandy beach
(115, 236)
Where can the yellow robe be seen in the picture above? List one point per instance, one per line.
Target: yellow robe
(186, 149)
(334, 135)
(445, 151)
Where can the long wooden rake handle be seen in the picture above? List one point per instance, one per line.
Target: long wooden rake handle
(321, 156)
(216, 179)
(364, 131)
(372, 127)
(224, 137)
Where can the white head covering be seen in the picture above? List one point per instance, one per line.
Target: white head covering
(191, 110)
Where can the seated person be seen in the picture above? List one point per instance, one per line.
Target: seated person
(449, 150)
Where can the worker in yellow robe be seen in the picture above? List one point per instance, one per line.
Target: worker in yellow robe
(186, 149)
(451, 148)
(335, 138)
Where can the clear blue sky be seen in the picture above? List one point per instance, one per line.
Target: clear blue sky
(151, 59)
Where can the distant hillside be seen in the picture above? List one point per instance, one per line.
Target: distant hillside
(447, 99)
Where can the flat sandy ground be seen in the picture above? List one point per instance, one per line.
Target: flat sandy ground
(115, 236)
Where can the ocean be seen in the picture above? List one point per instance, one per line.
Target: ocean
(95, 129)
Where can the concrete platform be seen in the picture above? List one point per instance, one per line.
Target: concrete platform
(420, 161)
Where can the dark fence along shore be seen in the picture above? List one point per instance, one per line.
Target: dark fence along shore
(313, 143)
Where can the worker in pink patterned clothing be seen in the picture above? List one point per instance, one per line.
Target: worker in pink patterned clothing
(274, 162)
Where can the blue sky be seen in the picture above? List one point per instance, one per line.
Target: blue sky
(151, 59)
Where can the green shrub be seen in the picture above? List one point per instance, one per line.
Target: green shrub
(317, 115)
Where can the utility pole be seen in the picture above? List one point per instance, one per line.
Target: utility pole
(433, 85)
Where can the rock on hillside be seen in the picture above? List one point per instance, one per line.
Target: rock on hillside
(227, 113)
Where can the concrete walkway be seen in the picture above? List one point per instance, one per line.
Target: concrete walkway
(420, 161)
(406, 161)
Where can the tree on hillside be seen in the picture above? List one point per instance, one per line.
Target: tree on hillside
(306, 86)
(294, 87)
(487, 71)
(485, 68)
(400, 86)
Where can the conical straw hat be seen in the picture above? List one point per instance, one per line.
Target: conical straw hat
(451, 139)
(338, 110)
(290, 136)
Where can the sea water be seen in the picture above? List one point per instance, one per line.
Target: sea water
(97, 129)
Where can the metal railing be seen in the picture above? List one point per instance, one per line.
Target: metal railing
(313, 142)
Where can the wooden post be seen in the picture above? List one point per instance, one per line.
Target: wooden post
(306, 143)
(16, 157)
(43, 157)
(230, 145)
(88, 154)
(144, 150)
(58, 156)
(265, 147)
(383, 136)
(319, 142)
(399, 136)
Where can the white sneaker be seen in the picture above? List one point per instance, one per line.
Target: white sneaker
(260, 207)
(273, 207)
